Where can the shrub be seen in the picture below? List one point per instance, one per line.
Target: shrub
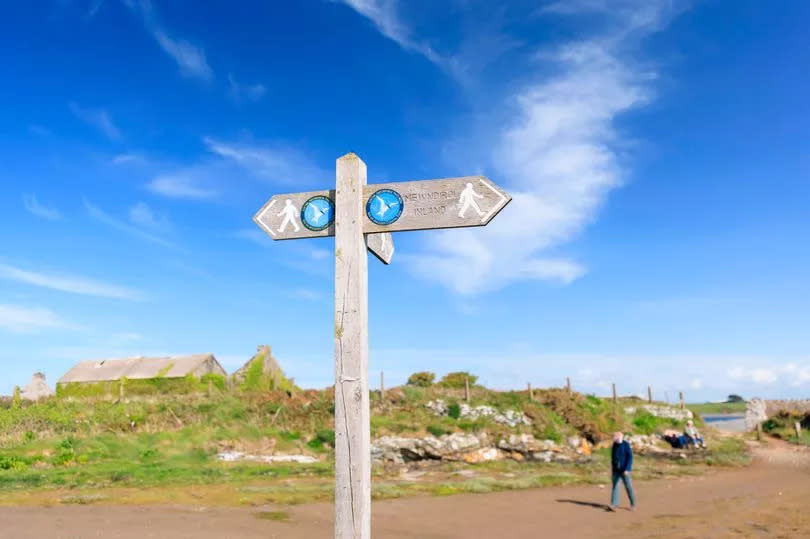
(735, 398)
(12, 463)
(326, 436)
(454, 410)
(456, 380)
(421, 379)
(436, 430)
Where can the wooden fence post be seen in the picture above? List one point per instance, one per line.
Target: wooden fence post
(614, 393)
(568, 383)
(680, 397)
(531, 393)
(649, 394)
(467, 388)
(798, 427)
(759, 432)
(382, 387)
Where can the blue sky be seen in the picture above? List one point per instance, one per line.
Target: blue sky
(656, 150)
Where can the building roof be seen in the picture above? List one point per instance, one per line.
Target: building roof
(139, 368)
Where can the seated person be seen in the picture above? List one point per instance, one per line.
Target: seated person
(676, 440)
(692, 435)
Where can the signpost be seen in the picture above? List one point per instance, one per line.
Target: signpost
(361, 217)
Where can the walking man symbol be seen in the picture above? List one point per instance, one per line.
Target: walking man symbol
(467, 200)
(289, 212)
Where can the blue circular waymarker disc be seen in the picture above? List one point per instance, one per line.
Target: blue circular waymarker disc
(384, 207)
(317, 213)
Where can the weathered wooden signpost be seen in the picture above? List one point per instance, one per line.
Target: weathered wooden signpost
(361, 217)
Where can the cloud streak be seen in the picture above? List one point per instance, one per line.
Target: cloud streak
(245, 92)
(98, 118)
(23, 319)
(555, 147)
(383, 14)
(190, 58)
(33, 206)
(100, 215)
(68, 283)
(276, 163)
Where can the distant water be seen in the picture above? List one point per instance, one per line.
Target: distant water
(726, 422)
(723, 417)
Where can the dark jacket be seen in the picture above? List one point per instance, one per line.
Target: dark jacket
(621, 457)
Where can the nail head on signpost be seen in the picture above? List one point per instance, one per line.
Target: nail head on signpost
(361, 217)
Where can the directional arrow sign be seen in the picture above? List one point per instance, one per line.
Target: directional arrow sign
(310, 215)
(389, 207)
(430, 204)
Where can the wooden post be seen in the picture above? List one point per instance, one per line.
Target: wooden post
(467, 388)
(568, 383)
(352, 428)
(798, 427)
(680, 398)
(614, 393)
(759, 432)
(649, 394)
(382, 387)
(531, 393)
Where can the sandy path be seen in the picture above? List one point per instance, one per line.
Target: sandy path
(767, 499)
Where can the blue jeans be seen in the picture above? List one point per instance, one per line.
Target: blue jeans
(628, 486)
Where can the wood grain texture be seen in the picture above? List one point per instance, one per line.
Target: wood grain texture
(434, 204)
(271, 222)
(381, 245)
(352, 428)
(427, 204)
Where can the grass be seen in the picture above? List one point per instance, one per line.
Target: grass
(163, 449)
(710, 408)
(273, 515)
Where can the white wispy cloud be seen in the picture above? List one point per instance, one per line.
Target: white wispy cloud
(69, 283)
(184, 184)
(141, 215)
(98, 118)
(190, 58)
(35, 208)
(245, 92)
(104, 217)
(24, 319)
(556, 149)
(276, 163)
(385, 17)
(122, 158)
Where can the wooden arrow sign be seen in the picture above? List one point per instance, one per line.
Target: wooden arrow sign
(431, 204)
(389, 207)
(310, 215)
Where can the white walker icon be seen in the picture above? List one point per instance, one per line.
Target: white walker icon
(289, 212)
(467, 200)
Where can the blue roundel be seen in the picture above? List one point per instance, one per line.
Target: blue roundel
(317, 213)
(384, 207)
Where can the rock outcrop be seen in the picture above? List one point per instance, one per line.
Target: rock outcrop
(669, 412)
(511, 418)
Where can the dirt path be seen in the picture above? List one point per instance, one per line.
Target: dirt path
(767, 499)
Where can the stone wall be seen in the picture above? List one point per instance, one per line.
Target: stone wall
(758, 410)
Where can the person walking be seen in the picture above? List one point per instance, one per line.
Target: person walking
(621, 458)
